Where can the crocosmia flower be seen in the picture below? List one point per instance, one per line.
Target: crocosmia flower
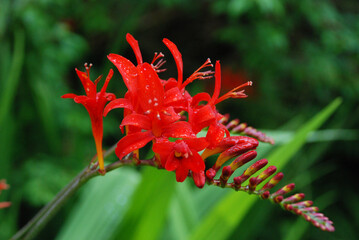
(94, 102)
(182, 156)
(162, 113)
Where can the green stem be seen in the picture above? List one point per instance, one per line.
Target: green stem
(30, 230)
(10, 86)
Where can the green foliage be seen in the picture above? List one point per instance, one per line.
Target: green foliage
(300, 55)
(102, 205)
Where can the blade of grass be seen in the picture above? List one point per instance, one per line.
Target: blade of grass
(281, 155)
(149, 206)
(9, 91)
(231, 210)
(102, 205)
(182, 214)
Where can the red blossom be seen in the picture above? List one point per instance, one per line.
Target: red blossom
(207, 115)
(182, 156)
(162, 111)
(94, 102)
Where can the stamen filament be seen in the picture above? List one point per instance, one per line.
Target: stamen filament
(234, 94)
(199, 75)
(159, 64)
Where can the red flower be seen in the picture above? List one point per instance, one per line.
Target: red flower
(94, 102)
(147, 105)
(4, 186)
(182, 156)
(153, 106)
(207, 115)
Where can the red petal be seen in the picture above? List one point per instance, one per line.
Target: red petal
(137, 120)
(203, 118)
(168, 116)
(203, 96)
(172, 162)
(134, 45)
(181, 173)
(173, 95)
(163, 147)
(215, 135)
(132, 142)
(118, 103)
(194, 163)
(217, 87)
(89, 86)
(150, 88)
(178, 130)
(170, 83)
(108, 78)
(83, 99)
(178, 59)
(198, 144)
(110, 96)
(69, 95)
(127, 70)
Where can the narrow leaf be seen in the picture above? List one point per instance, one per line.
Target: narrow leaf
(149, 207)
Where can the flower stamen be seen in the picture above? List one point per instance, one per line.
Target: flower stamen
(234, 93)
(159, 64)
(200, 75)
(88, 67)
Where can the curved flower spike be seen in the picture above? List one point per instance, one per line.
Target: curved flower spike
(94, 102)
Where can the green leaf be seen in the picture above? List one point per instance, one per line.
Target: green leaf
(149, 206)
(102, 205)
(11, 85)
(231, 210)
(182, 213)
(281, 155)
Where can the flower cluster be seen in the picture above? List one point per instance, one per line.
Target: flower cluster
(163, 113)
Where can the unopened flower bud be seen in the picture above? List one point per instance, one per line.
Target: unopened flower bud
(240, 128)
(278, 199)
(265, 195)
(302, 204)
(210, 174)
(295, 198)
(240, 148)
(232, 124)
(274, 181)
(243, 159)
(255, 167)
(284, 190)
(199, 179)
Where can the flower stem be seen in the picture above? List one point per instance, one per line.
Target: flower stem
(30, 230)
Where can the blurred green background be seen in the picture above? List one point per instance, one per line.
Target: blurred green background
(301, 55)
